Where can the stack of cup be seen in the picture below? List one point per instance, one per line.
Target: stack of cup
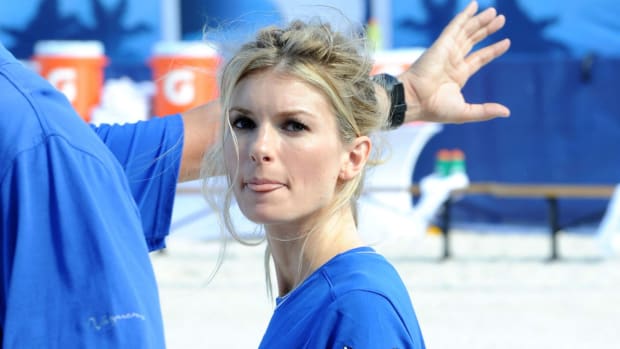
(448, 162)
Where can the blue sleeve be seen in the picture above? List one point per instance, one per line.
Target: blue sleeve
(361, 319)
(75, 269)
(150, 152)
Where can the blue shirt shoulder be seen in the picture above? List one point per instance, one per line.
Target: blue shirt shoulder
(356, 300)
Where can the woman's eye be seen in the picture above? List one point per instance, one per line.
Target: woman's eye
(294, 126)
(243, 123)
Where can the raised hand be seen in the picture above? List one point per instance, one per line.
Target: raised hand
(433, 83)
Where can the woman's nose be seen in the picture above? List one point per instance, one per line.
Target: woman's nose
(262, 147)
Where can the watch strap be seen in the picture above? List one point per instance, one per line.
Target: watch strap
(396, 93)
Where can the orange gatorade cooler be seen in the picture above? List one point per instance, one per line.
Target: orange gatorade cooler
(185, 75)
(75, 68)
(394, 62)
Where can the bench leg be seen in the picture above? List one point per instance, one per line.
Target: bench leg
(554, 227)
(445, 227)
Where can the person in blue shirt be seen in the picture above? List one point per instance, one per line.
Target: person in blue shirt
(75, 270)
(299, 108)
(81, 209)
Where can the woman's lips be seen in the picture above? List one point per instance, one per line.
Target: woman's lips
(263, 185)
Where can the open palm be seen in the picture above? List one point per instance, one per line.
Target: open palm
(433, 83)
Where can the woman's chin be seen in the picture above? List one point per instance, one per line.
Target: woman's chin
(265, 218)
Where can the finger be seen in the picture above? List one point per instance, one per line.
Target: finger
(459, 21)
(477, 28)
(465, 44)
(485, 111)
(481, 20)
(496, 24)
(471, 8)
(478, 59)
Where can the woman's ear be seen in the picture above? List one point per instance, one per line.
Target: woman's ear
(355, 158)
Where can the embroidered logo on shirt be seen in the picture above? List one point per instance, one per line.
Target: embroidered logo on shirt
(110, 320)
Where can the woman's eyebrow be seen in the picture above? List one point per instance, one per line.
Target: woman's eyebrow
(283, 114)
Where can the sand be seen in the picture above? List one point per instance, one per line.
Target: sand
(497, 291)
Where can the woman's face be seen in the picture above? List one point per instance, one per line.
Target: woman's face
(290, 152)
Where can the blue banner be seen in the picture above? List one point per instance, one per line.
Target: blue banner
(565, 27)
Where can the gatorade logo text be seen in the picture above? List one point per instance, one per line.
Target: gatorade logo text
(64, 79)
(179, 87)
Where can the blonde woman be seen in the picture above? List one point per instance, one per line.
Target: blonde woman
(92, 202)
(299, 110)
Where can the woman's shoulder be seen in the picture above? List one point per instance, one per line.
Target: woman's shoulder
(370, 304)
(362, 269)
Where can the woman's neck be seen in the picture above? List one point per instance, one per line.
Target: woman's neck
(300, 252)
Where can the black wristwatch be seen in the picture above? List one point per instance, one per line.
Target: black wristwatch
(396, 92)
